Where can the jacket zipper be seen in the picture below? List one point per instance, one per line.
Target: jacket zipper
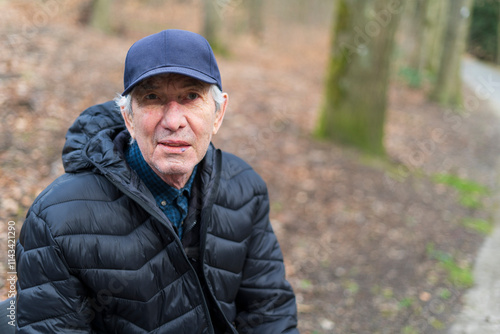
(190, 227)
(203, 231)
(148, 208)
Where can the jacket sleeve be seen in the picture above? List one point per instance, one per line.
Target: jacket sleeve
(266, 302)
(49, 298)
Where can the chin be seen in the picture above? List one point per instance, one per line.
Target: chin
(175, 168)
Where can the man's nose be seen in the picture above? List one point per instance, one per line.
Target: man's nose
(174, 116)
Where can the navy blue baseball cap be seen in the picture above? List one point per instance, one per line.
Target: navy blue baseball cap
(170, 51)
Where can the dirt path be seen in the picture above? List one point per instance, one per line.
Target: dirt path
(481, 312)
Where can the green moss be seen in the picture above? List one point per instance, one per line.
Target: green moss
(459, 275)
(409, 330)
(351, 286)
(306, 284)
(471, 193)
(406, 302)
(444, 294)
(437, 324)
(481, 226)
(412, 76)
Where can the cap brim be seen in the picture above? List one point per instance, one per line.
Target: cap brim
(171, 69)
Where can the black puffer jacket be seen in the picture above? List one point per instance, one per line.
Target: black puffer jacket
(96, 255)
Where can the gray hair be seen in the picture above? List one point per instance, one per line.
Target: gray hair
(125, 101)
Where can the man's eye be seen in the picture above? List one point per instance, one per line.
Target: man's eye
(151, 97)
(192, 96)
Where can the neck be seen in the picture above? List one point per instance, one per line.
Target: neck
(177, 181)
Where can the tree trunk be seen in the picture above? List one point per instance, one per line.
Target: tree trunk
(434, 35)
(412, 41)
(498, 35)
(255, 21)
(211, 23)
(418, 56)
(448, 88)
(101, 13)
(355, 100)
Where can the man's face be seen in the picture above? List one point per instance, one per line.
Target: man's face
(173, 120)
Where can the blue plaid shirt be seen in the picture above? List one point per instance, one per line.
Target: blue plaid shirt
(173, 202)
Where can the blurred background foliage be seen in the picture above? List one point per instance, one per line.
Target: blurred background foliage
(370, 44)
(483, 41)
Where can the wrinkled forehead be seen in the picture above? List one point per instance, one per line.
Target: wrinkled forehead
(170, 81)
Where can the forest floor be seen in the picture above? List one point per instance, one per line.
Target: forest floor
(371, 245)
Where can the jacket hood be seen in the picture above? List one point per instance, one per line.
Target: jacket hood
(89, 141)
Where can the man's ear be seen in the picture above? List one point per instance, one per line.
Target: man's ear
(219, 115)
(129, 122)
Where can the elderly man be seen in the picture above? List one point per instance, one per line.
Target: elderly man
(151, 229)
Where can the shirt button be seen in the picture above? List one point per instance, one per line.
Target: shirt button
(163, 203)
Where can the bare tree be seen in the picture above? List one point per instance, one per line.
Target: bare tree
(255, 19)
(434, 34)
(212, 23)
(498, 36)
(448, 88)
(101, 13)
(416, 32)
(355, 99)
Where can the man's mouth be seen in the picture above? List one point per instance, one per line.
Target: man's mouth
(174, 146)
